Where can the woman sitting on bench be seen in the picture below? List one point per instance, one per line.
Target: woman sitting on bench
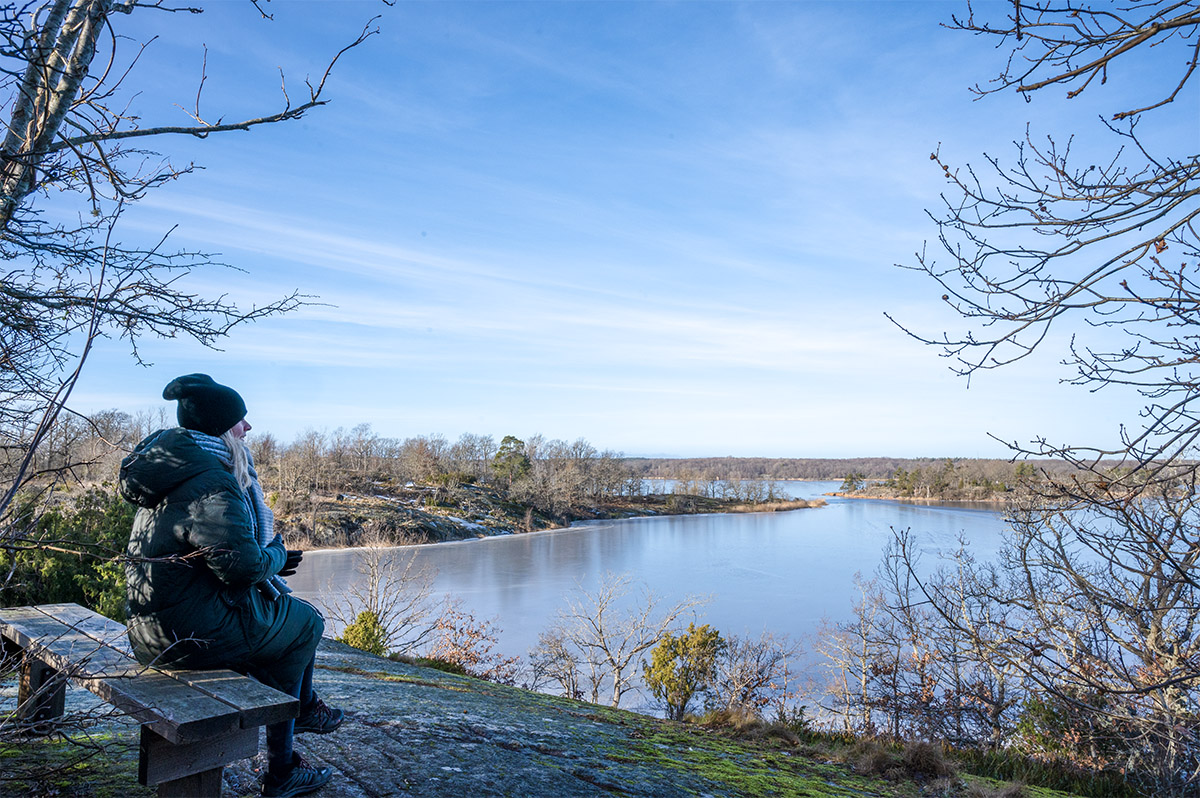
(203, 574)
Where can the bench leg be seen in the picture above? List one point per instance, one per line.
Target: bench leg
(203, 784)
(41, 697)
(191, 769)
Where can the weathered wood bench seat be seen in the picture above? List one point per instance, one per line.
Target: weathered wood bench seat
(193, 722)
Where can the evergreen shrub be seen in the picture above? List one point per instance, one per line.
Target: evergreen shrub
(366, 634)
(70, 553)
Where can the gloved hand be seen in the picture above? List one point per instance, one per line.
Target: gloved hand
(289, 565)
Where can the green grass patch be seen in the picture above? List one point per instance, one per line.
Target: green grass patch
(93, 765)
(743, 768)
(1010, 766)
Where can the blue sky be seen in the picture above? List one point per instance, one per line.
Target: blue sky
(669, 228)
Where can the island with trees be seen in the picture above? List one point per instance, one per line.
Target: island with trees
(338, 489)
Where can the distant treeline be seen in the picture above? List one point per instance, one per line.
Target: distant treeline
(927, 478)
(867, 468)
(553, 476)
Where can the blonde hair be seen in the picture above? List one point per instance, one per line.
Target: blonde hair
(241, 460)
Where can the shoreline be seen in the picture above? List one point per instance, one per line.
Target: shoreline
(994, 500)
(474, 531)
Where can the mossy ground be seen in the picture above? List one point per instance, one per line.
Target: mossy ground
(97, 765)
(422, 733)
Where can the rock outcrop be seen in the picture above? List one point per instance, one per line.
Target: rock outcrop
(419, 732)
(414, 731)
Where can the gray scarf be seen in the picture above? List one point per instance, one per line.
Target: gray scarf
(261, 517)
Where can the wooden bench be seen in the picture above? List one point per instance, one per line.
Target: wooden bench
(193, 722)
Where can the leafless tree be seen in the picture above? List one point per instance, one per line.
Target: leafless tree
(364, 444)
(983, 688)
(852, 660)
(394, 588)
(461, 639)
(423, 457)
(70, 275)
(606, 631)
(1029, 245)
(553, 662)
(472, 454)
(1095, 599)
(1104, 618)
(65, 75)
(563, 477)
(751, 671)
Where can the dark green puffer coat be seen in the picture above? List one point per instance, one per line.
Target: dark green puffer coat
(205, 611)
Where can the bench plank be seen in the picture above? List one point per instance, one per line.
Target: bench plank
(162, 760)
(172, 709)
(25, 626)
(93, 624)
(258, 704)
(193, 722)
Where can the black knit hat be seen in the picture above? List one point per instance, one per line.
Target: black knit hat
(204, 405)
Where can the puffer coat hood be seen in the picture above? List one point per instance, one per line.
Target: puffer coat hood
(161, 463)
(194, 562)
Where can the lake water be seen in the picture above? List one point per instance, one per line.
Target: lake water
(780, 572)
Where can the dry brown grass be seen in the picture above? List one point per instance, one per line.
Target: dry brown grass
(775, 507)
(736, 719)
(925, 759)
(917, 760)
(745, 725)
(872, 758)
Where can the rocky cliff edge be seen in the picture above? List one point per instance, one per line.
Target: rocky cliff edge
(414, 731)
